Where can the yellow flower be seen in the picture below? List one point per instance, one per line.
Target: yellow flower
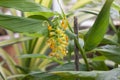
(49, 27)
(52, 34)
(58, 40)
(59, 31)
(52, 54)
(64, 23)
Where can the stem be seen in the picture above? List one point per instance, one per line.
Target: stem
(63, 14)
(79, 47)
(76, 50)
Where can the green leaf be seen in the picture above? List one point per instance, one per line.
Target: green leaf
(47, 3)
(90, 75)
(40, 56)
(9, 61)
(110, 75)
(73, 75)
(69, 67)
(111, 52)
(2, 75)
(99, 65)
(99, 58)
(96, 33)
(108, 41)
(27, 6)
(43, 76)
(24, 5)
(24, 25)
(116, 6)
(82, 75)
(16, 76)
(13, 41)
(80, 3)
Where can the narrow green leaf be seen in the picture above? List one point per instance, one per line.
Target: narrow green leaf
(80, 3)
(40, 56)
(9, 61)
(116, 6)
(46, 3)
(13, 41)
(24, 25)
(99, 58)
(33, 56)
(2, 75)
(43, 76)
(96, 33)
(16, 76)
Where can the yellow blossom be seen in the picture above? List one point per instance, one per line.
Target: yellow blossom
(64, 23)
(49, 27)
(58, 40)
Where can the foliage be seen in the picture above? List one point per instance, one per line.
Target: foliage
(40, 25)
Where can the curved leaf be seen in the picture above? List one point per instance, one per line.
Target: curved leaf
(96, 33)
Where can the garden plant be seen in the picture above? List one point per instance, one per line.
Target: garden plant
(51, 46)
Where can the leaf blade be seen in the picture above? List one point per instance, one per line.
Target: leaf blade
(27, 6)
(22, 25)
(96, 33)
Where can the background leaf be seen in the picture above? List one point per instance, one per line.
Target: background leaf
(24, 5)
(40, 56)
(80, 3)
(13, 41)
(27, 6)
(111, 52)
(20, 24)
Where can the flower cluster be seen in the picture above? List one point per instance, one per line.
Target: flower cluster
(58, 40)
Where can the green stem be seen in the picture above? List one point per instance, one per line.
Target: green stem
(82, 53)
(63, 14)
